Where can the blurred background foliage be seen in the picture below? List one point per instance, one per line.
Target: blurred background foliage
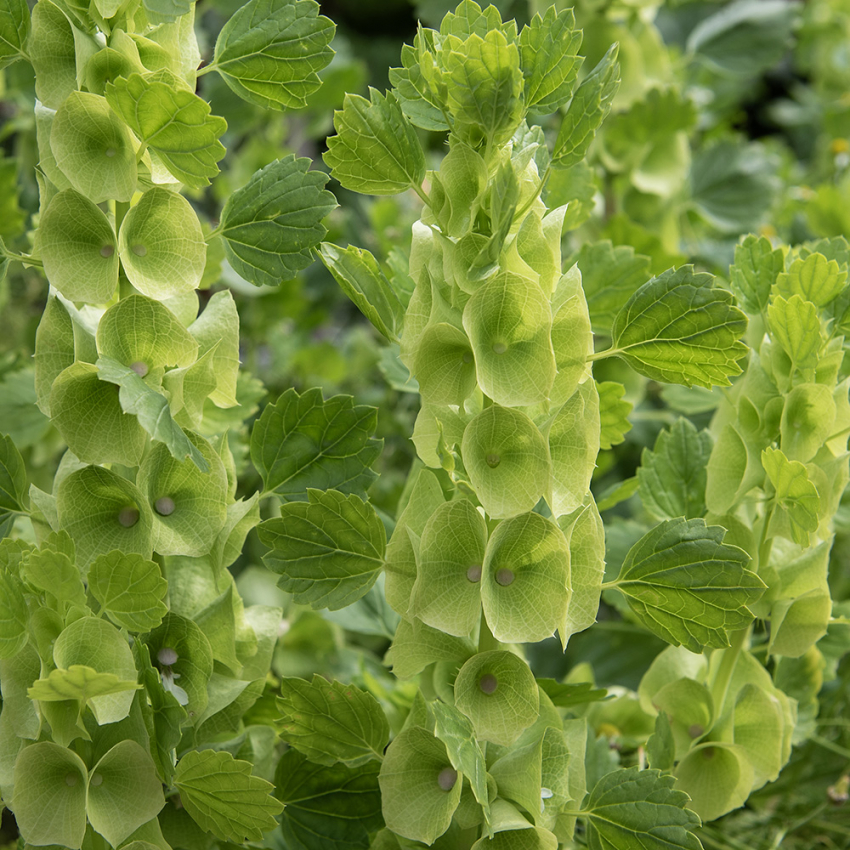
(732, 118)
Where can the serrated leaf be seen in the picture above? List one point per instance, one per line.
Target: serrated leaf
(678, 328)
(217, 330)
(416, 645)
(130, 588)
(173, 121)
(566, 694)
(418, 101)
(152, 410)
(328, 550)
(13, 616)
(14, 30)
(272, 224)
(687, 586)
(549, 52)
(587, 110)
(327, 806)
(270, 51)
(634, 809)
(57, 575)
(795, 493)
(168, 8)
(813, 278)
(754, 272)
(331, 722)
(223, 797)
(304, 441)
(376, 150)
(613, 414)
(673, 474)
(361, 279)
(78, 682)
(795, 323)
(13, 484)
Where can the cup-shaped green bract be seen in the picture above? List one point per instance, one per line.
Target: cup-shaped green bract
(188, 506)
(807, 420)
(88, 414)
(507, 460)
(420, 789)
(107, 65)
(451, 553)
(94, 149)
(689, 706)
(509, 324)
(78, 248)
(103, 511)
(162, 246)
(525, 587)
(497, 691)
(97, 644)
(717, 777)
(144, 334)
(444, 365)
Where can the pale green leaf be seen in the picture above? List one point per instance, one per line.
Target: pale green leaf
(754, 272)
(416, 645)
(188, 389)
(634, 809)
(808, 416)
(168, 8)
(151, 409)
(124, 792)
(270, 51)
(331, 722)
(687, 586)
(813, 279)
(130, 589)
(549, 52)
(272, 224)
(304, 441)
(161, 245)
(718, 777)
(613, 414)
(223, 797)
(78, 682)
(93, 148)
(420, 789)
(50, 795)
(53, 55)
(362, 280)
(497, 692)
(328, 550)
(795, 323)
(443, 365)
(587, 110)
(673, 475)
(14, 30)
(795, 493)
(678, 328)
(173, 121)
(758, 722)
(54, 349)
(217, 329)
(78, 248)
(376, 150)
(13, 483)
(13, 616)
(507, 460)
(56, 574)
(572, 339)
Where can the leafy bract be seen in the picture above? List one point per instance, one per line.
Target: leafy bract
(328, 550)
(331, 722)
(304, 441)
(270, 50)
(52, 51)
(795, 493)
(78, 248)
(550, 59)
(13, 484)
(130, 588)
(217, 331)
(13, 616)
(672, 475)
(14, 30)
(687, 586)
(376, 150)
(173, 121)
(678, 328)
(272, 223)
(754, 272)
(613, 414)
(587, 110)
(795, 323)
(633, 808)
(444, 365)
(161, 245)
(813, 278)
(361, 279)
(223, 797)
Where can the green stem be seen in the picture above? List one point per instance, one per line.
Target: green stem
(535, 195)
(425, 199)
(23, 258)
(206, 69)
(720, 688)
(212, 234)
(601, 355)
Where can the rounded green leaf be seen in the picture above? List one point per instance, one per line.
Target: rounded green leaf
(509, 324)
(103, 511)
(507, 460)
(181, 653)
(797, 624)
(161, 245)
(572, 339)
(496, 690)
(78, 248)
(87, 413)
(759, 722)
(49, 801)
(95, 643)
(807, 420)
(689, 706)
(107, 65)
(53, 54)
(447, 593)
(124, 792)
(130, 589)
(444, 365)
(189, 507)
(420, 789)
(717, 777)
(144, 334)
(525, 587)
(80, 683)
(94, 149)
